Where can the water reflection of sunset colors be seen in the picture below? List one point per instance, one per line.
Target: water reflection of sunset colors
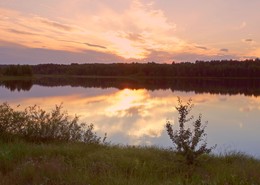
(139, 116)
(125, 101)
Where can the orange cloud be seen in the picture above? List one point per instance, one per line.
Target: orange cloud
(254, 53)
(136, 31)
(131, 34)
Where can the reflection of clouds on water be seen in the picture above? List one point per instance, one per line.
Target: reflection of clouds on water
(135, 113)
(202, 99)
(125, 101)
(139, 116)
(252, 104)
(132, 111)
(222, 98)
(139, 112)
(246, 109)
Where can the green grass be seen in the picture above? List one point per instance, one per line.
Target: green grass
(50, 148)
(82, 164)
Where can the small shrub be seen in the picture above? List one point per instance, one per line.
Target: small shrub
(37, 125)
(189, 144)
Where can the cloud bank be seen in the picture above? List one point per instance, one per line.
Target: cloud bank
(125, 31)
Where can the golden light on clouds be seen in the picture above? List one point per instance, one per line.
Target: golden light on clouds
(139, 29)
(129, 35)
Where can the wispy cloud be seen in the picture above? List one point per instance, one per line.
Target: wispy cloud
(21, 32)
(95, 45)
(248, 40)
(55, 24)
(202, 47)
(135, 37)
(129, 30)
(85, 43)
(18, 54)
(224, 50)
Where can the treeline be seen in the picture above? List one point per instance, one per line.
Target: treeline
(212, 69)
(216, 68)
(16, 70)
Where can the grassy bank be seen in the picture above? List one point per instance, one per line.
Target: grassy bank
(80, 164)
(38, 147)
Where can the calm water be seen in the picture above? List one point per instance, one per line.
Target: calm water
(137, 116)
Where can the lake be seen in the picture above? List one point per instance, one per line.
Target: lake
(135, 112)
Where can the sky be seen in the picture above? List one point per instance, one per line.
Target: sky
(113, 31)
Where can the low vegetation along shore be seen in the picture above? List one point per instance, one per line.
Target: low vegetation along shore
(39, 147)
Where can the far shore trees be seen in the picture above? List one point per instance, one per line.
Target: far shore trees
(199, 69)
(18, 70)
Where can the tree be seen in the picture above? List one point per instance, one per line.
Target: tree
(18, 70)
(190, 144)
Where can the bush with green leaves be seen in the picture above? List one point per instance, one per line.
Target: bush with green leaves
(37, 125)
(188, 143)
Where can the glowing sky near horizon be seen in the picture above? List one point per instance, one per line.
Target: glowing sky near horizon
(87, 31)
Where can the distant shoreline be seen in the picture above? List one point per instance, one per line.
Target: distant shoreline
(37, 76)
(230, 86)
(227, 69)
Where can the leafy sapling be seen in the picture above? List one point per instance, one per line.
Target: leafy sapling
(189, 143)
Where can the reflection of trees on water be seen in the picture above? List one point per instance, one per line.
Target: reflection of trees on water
(213, 86)
(13, 85)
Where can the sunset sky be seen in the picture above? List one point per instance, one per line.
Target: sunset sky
(110, 31)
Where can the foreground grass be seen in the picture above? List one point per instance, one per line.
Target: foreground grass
(51, 148)
(90, 164)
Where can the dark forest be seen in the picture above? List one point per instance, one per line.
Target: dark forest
(199, 69)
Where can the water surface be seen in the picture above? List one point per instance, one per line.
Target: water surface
(137, 115)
